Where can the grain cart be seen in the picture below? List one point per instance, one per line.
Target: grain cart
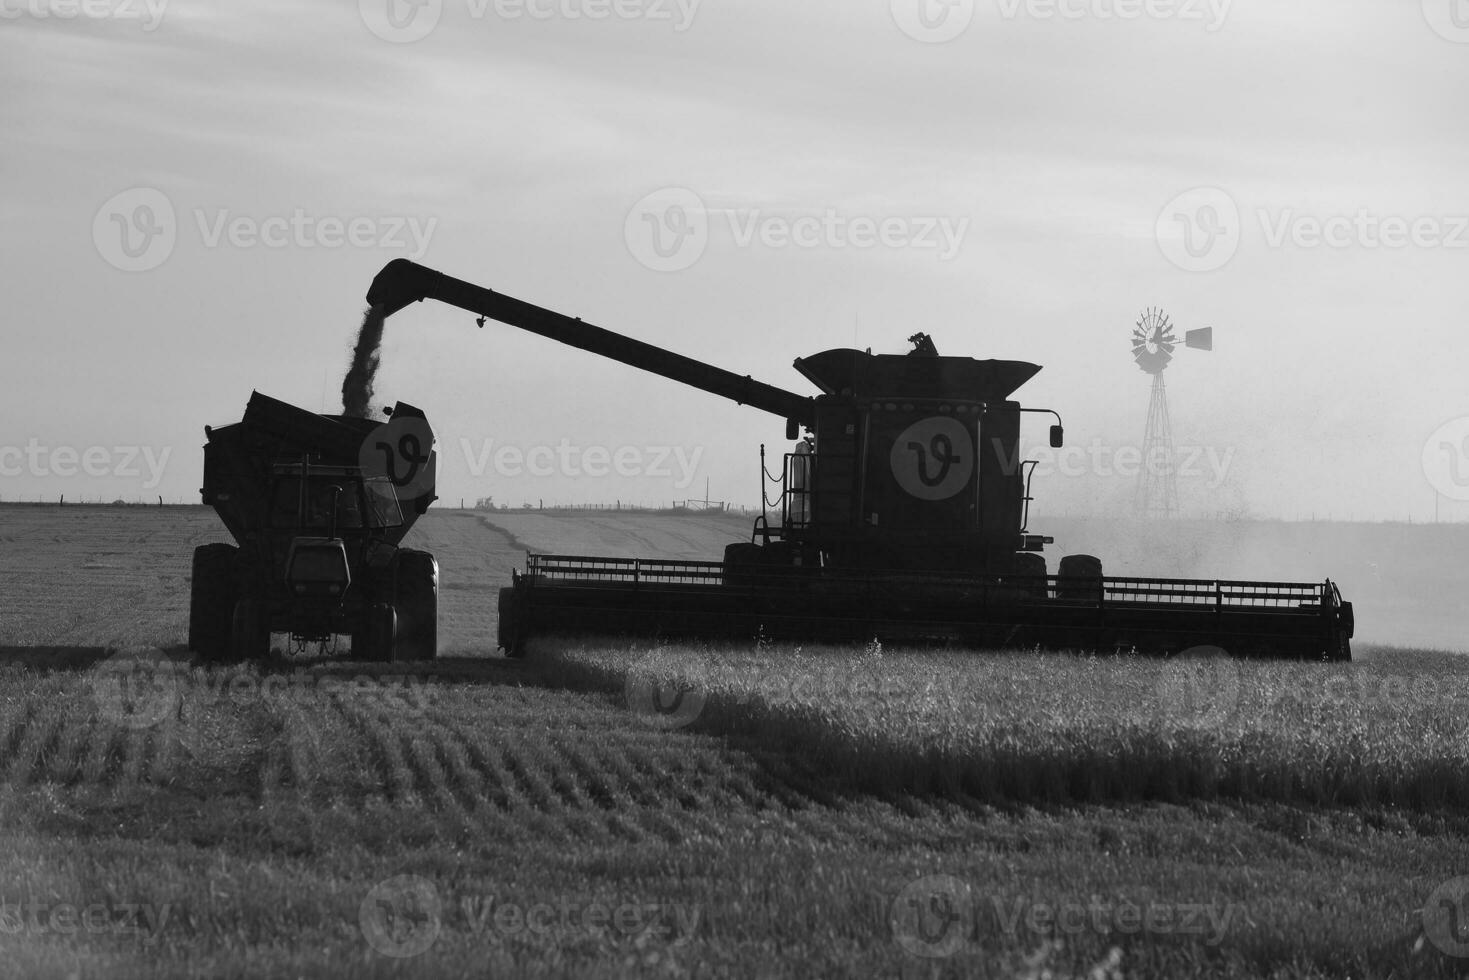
(903, 515)
(317, 505)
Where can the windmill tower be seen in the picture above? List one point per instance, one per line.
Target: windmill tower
(1153, 343)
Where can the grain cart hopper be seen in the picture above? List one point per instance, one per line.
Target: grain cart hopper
(903, 515)
(317, 505)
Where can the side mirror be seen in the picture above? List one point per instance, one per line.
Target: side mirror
(1058, 435)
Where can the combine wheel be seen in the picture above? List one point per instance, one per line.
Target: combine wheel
(1030, 569)
(416, 599)
(250, 635)
(741, 563)
(511, 639)
(1079, 576)
(212, 600)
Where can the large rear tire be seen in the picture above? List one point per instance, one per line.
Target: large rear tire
(1080, 577)
(361, 646)
(416, 598)
(250, 634)
(212, 600)
(376, 639)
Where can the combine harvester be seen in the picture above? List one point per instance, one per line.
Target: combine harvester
(903, 516)
(317, 505)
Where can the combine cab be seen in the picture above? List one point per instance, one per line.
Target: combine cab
(317, 505)
(904, 514)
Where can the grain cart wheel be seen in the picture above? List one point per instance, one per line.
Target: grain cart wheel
(250, 635)
(212, 600)
(382, 631)
(375, 639)
(416, 599)
(1079, 576)
(1030, 568)
(362, 640)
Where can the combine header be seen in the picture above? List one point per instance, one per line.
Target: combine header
(318, 505)
(904, 515)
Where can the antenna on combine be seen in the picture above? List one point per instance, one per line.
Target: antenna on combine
(1153, 343)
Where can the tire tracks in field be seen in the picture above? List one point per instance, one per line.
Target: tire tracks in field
(454, 761)
(388, 764)
(593, 791)
(420, 738)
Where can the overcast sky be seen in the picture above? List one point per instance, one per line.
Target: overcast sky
(195, 197)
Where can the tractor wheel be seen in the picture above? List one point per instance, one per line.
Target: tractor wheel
(1080, 577)
(212, 600)
(1030, 569)
(360, 646)
(250, 634)
(382, 631)
(375, 639)
(416, 599)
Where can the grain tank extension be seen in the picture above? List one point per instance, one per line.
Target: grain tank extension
(318, 506)
(903, 514)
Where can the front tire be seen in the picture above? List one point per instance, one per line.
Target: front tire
(1080, 577)
(1030, 573)
(510, 636)
(742, 561)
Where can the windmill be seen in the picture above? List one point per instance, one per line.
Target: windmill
(1153, 343)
